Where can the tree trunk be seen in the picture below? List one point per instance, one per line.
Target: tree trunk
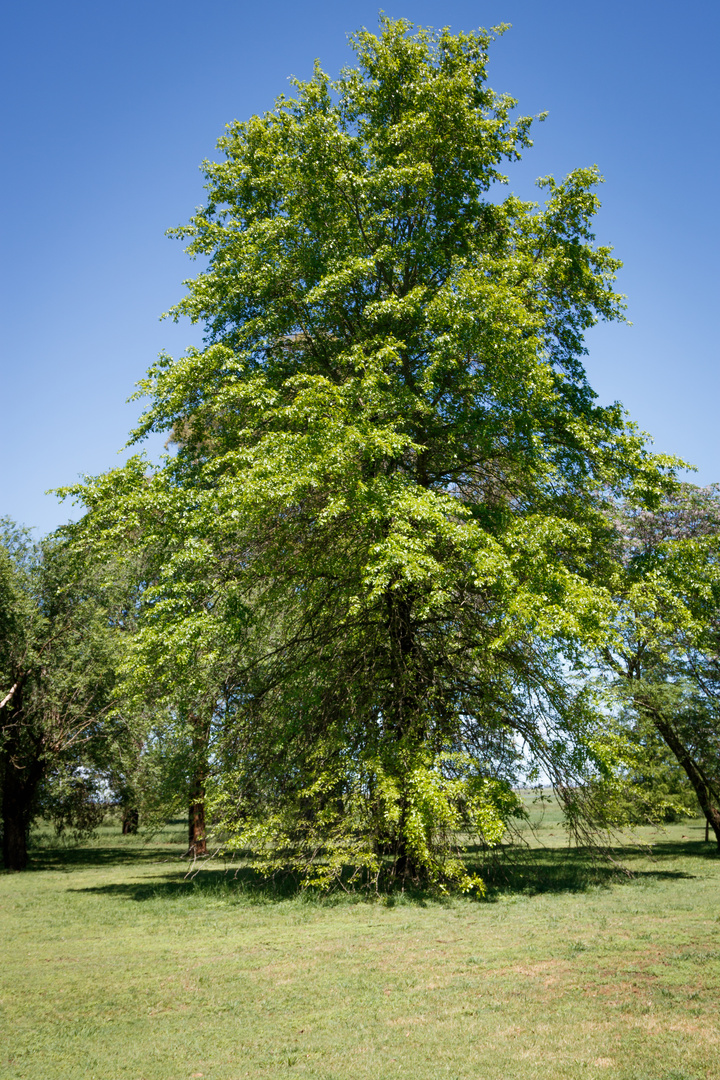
(694, 772)
(19, 784)
(14, 846)
(130, 820)
(197, 844)
(406, 727)
(405, 867)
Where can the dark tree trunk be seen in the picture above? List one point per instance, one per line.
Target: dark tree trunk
(15, 830)
(406, 726)
(694, 772)
(197, 837)
(405, 868)
(403, 704)
(197, 843)
(130, 820)
(21, 775)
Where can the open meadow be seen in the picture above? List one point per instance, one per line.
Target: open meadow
(116, 967)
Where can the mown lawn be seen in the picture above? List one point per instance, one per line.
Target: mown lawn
(114, 966)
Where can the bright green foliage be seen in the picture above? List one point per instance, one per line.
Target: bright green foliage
(431, 805)
(380, 538)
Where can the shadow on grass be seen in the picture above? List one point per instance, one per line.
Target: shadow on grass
(515, 871)
(686, 849)
(105, 847)
(236, 883)
(533, 871)
(87, 858)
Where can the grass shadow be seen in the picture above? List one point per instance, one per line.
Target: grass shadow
(528, 872)
(229, 883)
(86, 858)
(505, 871)
(685, 849)
(533, 871)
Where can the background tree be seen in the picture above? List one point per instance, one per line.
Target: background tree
(667, 660)
(176, 672)
(393, 478)
(59, 649)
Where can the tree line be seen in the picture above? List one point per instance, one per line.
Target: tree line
(398, 560)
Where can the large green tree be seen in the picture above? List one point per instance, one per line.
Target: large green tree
(390, 494)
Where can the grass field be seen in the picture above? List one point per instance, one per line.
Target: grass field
(114, 967)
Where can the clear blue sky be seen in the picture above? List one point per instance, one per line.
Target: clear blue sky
(108, 109)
